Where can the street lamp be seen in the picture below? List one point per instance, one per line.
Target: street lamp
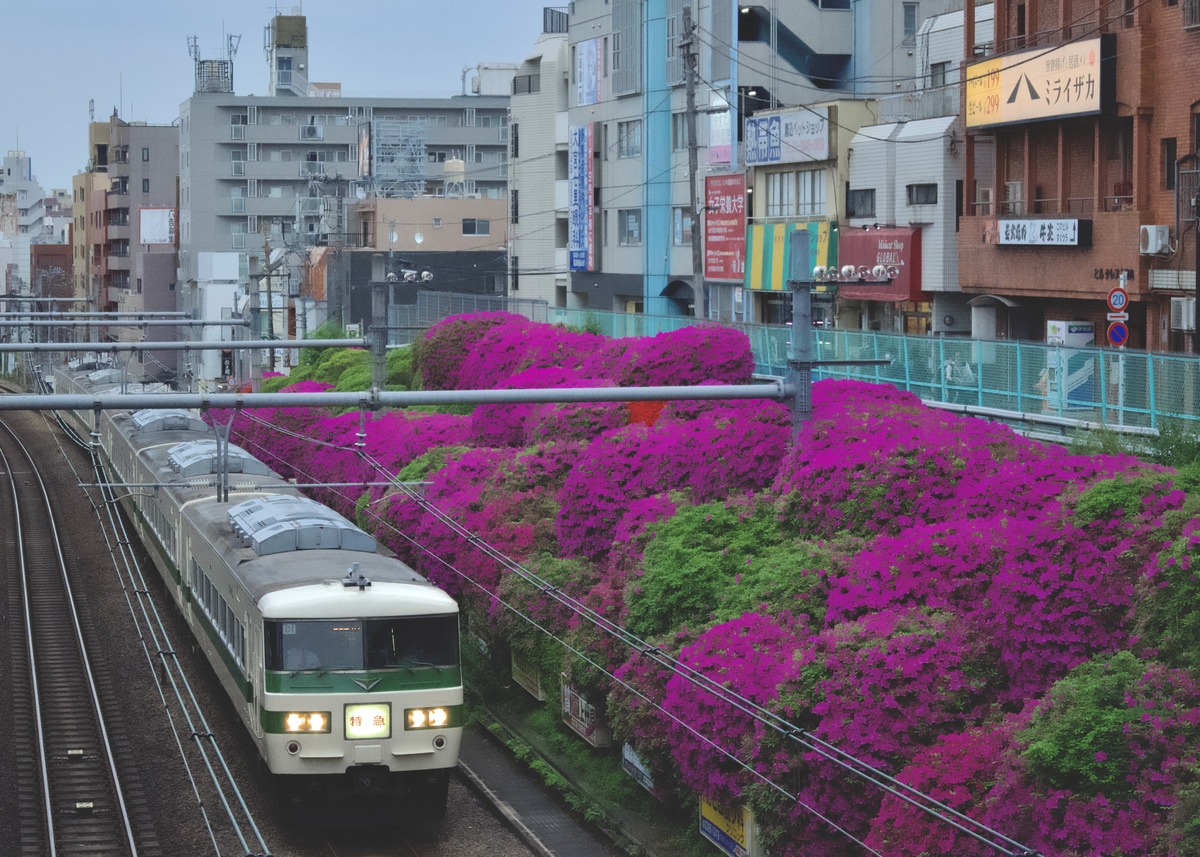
(801, 351)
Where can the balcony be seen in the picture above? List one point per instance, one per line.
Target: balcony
(562, 196)
(923, 104)
(526, 84)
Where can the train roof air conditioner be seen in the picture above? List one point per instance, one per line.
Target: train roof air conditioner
(1154, 239)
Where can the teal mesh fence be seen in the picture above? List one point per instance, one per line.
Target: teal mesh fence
(1123, 389)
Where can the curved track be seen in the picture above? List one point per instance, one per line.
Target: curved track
(66, 773)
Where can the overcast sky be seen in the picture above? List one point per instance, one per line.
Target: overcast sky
(56, 57)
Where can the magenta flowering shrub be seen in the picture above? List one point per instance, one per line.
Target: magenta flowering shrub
(970, 572)
(444, 350)
(942, 566)
(1060, 595)
(510, 350)
(509, 500)
(756, 657)
(726, 448)
(606, 597)
(879, 464)
(518, 424)
(574, 420)
(698, 354)
(956, 771)
(898, 679)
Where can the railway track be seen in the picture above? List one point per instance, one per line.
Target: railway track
(70, 799)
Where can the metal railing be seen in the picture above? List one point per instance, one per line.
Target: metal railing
(1123, 389)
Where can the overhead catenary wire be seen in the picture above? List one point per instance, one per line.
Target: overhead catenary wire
(870, 774)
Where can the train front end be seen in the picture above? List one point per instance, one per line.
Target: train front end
(362, 693)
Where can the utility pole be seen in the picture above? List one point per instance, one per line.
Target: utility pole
(270, 302)
(690, 61)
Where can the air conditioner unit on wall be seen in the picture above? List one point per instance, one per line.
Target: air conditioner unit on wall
(1154, 239)
(1183, 313)
(1014, 198)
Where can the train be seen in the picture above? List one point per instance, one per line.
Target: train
(342, 662)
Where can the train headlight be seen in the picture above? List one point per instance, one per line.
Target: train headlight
(427, 718)
(306, 721)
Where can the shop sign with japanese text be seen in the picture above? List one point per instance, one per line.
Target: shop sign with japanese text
(1060, 232)
(1075, 79)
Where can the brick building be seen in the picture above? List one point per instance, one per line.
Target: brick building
(1081, 132)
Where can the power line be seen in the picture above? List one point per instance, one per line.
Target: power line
(803, 738)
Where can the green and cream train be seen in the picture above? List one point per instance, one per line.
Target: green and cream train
(343, 663)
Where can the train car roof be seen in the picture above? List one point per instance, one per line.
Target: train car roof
(280, 523)
(331, 599)
(168, 419)
(315, 564)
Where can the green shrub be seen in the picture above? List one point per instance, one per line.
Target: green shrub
(1076, 739)
(714, 562)
(1103, 500)
(431, 461)
(1177, 444)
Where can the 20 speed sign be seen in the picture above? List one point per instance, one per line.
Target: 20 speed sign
(1118, 299)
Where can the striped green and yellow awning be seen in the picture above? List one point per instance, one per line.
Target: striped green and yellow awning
(768, 253)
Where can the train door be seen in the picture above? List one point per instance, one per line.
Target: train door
(256, 665)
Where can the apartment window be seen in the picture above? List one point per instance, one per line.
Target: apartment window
(679, 134)
(796, 193)
(145, 185)
(937, 73)
(616, 51)
(672, 36)
(474, 226)
(861, 203)
(681, 226)
(514, 207)
(145, 154)
(515, 142)
(514, 279)
(922, 194)
(629, 139)
(1168, 163)
(910, 23)
(629, 226)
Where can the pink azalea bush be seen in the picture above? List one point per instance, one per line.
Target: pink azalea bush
(934, 595)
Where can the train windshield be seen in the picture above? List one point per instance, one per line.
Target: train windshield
(412, 642)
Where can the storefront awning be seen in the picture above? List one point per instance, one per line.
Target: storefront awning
(896, 248)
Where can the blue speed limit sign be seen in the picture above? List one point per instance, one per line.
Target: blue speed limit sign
(1117, 299)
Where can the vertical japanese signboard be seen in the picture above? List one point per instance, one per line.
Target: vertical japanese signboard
(580, 189)
(587, 72)
(725, 227)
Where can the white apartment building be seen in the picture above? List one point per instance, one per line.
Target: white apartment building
(537, 258)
